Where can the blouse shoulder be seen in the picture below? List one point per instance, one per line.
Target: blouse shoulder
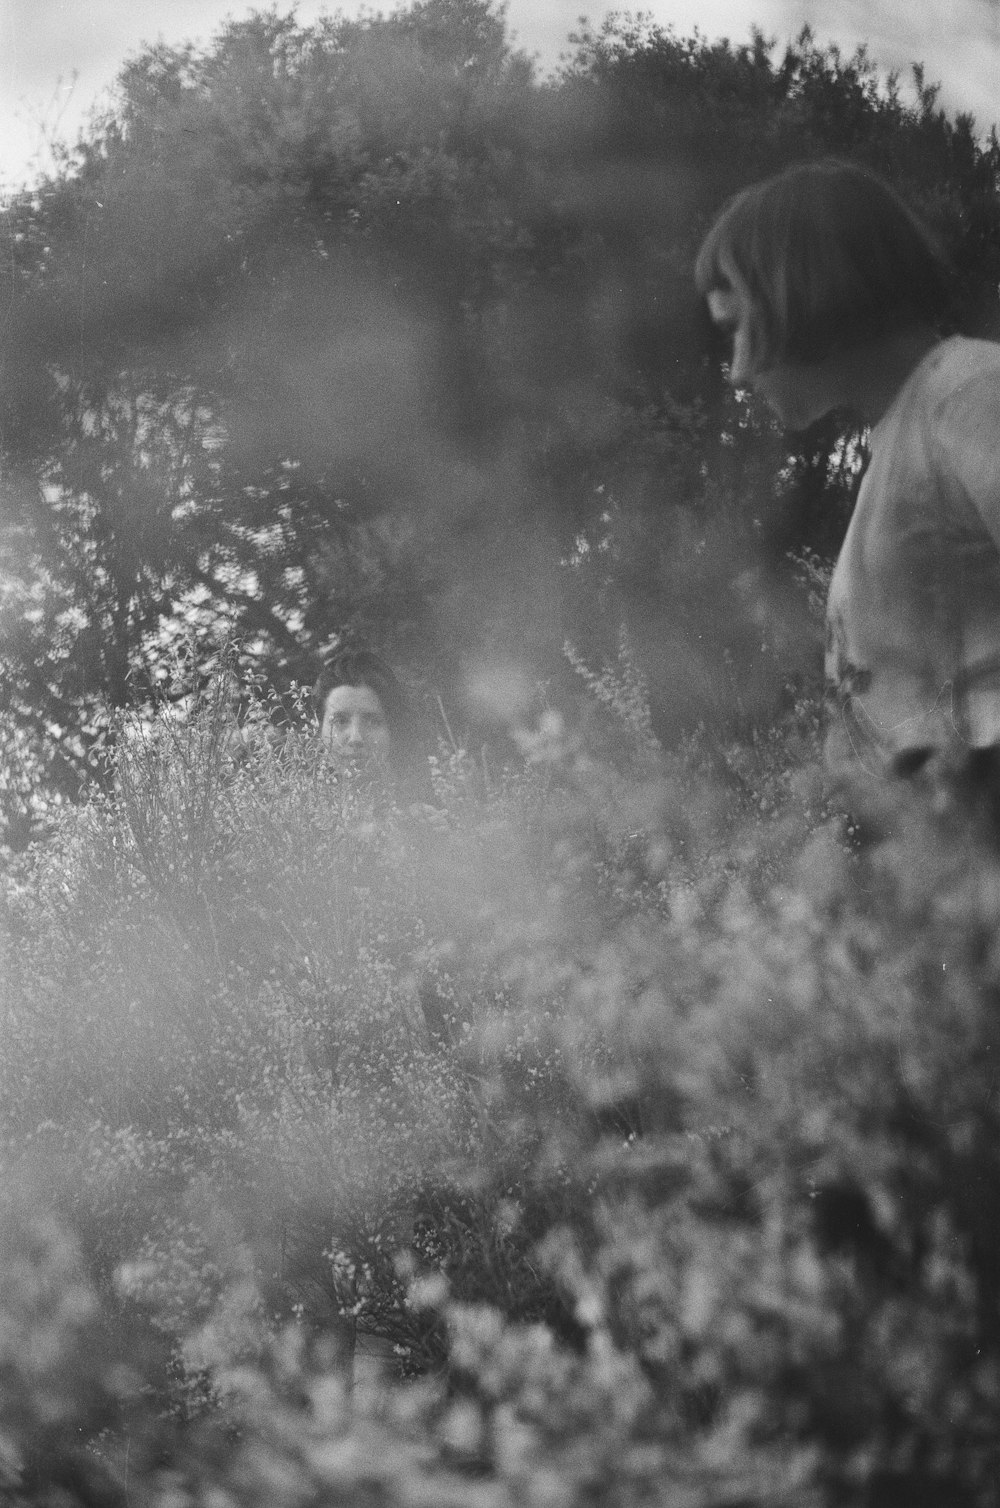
(965, 416)
(965, 377)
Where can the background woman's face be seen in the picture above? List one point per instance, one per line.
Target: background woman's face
(354, 724)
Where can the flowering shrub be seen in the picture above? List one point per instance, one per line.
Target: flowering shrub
(645, 1114)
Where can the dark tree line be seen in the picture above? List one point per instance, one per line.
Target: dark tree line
(364, 327)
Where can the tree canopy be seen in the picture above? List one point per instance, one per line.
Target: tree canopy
(363, 327)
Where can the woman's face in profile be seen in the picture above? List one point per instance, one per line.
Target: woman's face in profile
(798, 393)
(354, 725)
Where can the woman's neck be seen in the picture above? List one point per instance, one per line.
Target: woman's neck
(873, 375)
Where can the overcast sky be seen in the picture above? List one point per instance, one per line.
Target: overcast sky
(58, 56)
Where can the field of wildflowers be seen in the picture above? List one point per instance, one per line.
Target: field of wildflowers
(646, 1121)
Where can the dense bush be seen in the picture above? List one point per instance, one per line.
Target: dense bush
(648, 1119)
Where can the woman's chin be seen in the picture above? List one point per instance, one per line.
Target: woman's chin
(365, 762)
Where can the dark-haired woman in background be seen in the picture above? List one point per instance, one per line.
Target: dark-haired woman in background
(835, 296)
(362, 710)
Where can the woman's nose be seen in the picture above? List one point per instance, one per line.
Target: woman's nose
(355, 734)
(740, 366)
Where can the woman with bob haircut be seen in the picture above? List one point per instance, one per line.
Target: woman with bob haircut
(836, 297)
(362, 709)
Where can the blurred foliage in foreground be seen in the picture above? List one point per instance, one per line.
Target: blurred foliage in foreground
(651, 1122)
(362, 326)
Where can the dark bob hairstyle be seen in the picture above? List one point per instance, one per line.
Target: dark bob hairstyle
(830, 256)
(363, 667)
